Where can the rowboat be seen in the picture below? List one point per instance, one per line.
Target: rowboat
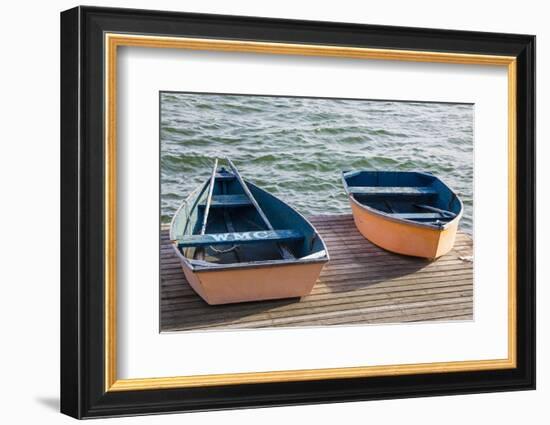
(411, 213)
(236, 242)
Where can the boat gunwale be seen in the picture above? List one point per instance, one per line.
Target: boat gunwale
(194, 192)
(389, 217)
(213, 267)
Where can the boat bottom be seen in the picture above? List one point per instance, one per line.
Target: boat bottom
(254, 283)
(402, 238)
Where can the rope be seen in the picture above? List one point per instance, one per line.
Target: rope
(223, 251)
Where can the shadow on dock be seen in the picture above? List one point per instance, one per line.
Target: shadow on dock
(361, 284)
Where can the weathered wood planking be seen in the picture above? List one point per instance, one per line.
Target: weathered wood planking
(361, 284)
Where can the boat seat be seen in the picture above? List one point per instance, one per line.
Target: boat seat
(225, 176)
(239, 238)
(383, 191)
(419, 216)
(229, 201)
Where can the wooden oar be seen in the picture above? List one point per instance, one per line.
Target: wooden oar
(200, 252)
(445, 213)
(285, 251)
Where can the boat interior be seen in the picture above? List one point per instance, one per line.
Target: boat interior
(235, 224)
(411, 196)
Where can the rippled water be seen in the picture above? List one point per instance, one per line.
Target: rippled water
(296, 148)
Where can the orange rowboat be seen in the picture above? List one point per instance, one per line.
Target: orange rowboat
(411, 213)
(236, 242)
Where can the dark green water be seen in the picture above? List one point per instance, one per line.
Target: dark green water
(296, 148)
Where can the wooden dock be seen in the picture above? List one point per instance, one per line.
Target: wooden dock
(361, 284)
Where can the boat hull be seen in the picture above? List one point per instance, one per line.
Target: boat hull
(269, 282)
(401, 237)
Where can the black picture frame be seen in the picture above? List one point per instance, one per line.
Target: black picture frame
(83, 392)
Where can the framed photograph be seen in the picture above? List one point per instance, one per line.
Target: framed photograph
(261, 212)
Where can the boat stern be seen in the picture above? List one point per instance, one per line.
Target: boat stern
(261, 282)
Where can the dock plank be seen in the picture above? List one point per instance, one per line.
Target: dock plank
(362, 284)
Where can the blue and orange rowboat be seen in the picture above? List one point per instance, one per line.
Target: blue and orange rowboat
(411, 213)
(236, 242)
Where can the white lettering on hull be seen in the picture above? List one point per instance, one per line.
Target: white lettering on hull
(243, 236)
